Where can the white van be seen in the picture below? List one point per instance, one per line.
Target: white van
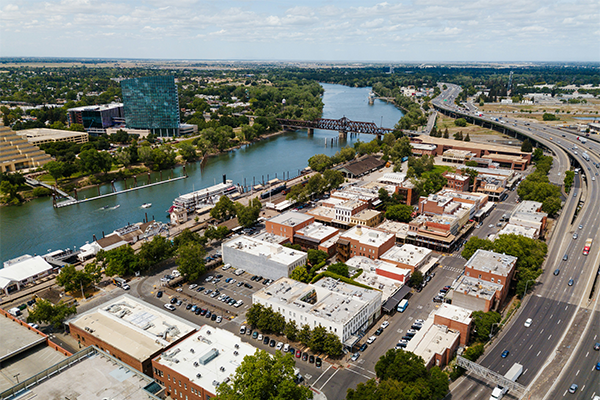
(238, 272)
(238, 304)
(242, 329)
(15, 312)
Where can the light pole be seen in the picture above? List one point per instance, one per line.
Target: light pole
(526, 283)
(492, 329)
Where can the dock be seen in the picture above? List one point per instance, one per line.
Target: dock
(72, 201)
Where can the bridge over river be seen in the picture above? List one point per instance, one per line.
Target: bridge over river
(342, 125)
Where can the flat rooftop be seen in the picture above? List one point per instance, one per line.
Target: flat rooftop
(395, 178)
(290, 218)
(98, 376)
(366, 215)
(387, 286)
(330, 294)
(367, 236)
(458, 196)
(14, 337)
(400, 229)
(477, 288)
(273, 252)
(431, 340)
(528, 206)
(272, 238)
(133, 326)
(49, 133)
(318, 231)
(407, 254)
(457, 177)
(419, 146)
(489, 261)
(470, 145)
(99, 107)
(454, 313)
(207, 357)
(322, 212)
(507, 173)
(518, 230)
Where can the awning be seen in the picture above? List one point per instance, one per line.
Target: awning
(351, 341)
(391, 304)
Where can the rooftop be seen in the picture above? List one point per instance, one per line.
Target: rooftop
(367, 236)
(48, 133)
(489, 261)
(407, 254)
(400, 229)
(432, 339)
(366, 215)
(477, 288)
(458, 196)
(133, 326)
(24, 267)
(92, 374)
(456, 177)
(333, 300)
(458, 153)
(290, 218)
(100, 107)
(420, 146)
(323, 212)
(208, 357)
(490, 171)
(395, 178)
(528, 206)
(274, 252)
(318, 231)
(272, 238)
(454, 313)
(470, 145)
(518, 230)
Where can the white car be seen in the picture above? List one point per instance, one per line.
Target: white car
(528, 322)
(170, 307)
(219, 319)
(355, 356)
(385, 324)
(208, 278)
(279, 346)
(286, 348)
(260, 337)
(419, 321)
(193, 286)
(371, 339)
(125, 286)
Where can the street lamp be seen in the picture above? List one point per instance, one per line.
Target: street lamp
(492, 328)
(526, 283)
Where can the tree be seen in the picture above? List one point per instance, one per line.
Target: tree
(319, 162)
(399, 212)
(483, 322)
(416, 279)
(121, 261)
(46, 312)
(339, 268)
(317, 338)
(549, 117)
(224, 209)
(186, 237)
(253, 314)
(333, 179)
(446, 134)
(300, 274)
(304, 335)
(154, 251)
(72, 279)
(332, 345)
(187, 151)
(402, 148)
(55, 169)
(471, 163)
(551, 205)
(291, 331)
(475, 243)
(262, 376)
(537, 155)
(190, 261)
(526, 146)
(472, 176)
(467, 138)
(460, 122)
(316, 256)
(247, 216)
(10, 192)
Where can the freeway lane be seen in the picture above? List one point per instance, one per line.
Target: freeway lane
(554, 303)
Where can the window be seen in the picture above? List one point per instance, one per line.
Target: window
(479, 276)
(185, 386)
(499, 281)
(169, 377)
(492, 280)
(179, 383)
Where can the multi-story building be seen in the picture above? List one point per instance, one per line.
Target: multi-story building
(528, 214)
(369, 218)
(380, 267)
(287, 224)
(492, 267)
(197, 365)
(16, 154)
(313, 235)
(407, 256)
(341, 308)
(262, 258)
(457, 182)
(476, 294)
(37, 136)
(96, 119)
(131, 330)
(151, 103)
(455, 318)
(360, 241)
(435, 344)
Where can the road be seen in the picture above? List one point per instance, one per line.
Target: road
(554, 304)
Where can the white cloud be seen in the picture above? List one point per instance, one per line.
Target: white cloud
(412, 30)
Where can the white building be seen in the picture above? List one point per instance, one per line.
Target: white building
(407, 256)
(341, 308)
(262, 258)
(198, 364)
(21, 271)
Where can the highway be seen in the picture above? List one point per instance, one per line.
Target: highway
(554, 304)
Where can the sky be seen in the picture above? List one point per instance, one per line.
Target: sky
(310, 30)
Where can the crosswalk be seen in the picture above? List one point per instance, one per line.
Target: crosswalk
(453, 269)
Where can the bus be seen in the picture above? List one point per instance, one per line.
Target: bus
(587, 246)
(402, 306)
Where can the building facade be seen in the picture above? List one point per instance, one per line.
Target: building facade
(95, 119)
(368, 242)
(288, 224)
(151, 103)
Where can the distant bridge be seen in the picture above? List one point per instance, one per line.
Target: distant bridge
(342, 125)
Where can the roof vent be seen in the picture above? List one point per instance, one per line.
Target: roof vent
(198, 375)
(208, 332)
(235, 353)
(192, 351)
(237, 346)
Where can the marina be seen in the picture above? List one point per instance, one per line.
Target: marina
(42, 227)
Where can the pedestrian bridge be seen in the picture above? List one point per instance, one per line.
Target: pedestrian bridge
(342, 125)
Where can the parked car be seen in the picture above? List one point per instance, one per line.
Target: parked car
(363, 347)
(385, 324)
(159, 294)
(371, 339)
(279, 346)
(379, 331)
(170, 307)
(304, 356)
(318, 362)
(298, 353)
(354, 356)
(311, 359)
(272, 343)
(266, 340)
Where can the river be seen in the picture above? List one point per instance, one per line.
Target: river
(36, 227)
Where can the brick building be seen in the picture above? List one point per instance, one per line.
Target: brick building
(360, 241)
(457, 182)
(455, 318)
(131, 330)
(287, 224)
(492, 267)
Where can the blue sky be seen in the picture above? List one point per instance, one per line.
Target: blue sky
(419, 30)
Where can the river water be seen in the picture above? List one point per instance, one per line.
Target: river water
(37, 227)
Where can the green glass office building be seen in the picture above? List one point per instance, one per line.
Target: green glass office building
(151, 103)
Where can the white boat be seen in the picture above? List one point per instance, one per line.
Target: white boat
(146, 205)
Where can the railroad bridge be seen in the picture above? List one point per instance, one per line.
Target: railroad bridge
(342, 125)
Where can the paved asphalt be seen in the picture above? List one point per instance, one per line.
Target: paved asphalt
(554, 303)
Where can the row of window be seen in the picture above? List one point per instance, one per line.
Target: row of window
(499, 281)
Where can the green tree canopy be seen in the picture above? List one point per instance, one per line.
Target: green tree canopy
(46, 312)
(224, 209)
(399, 212)
(483, 322)
(190, 260)
(264, 377)
(154, 251)
(526, 146)
(121, 261)
(460, 122)
(338, 268)
(300, 274)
